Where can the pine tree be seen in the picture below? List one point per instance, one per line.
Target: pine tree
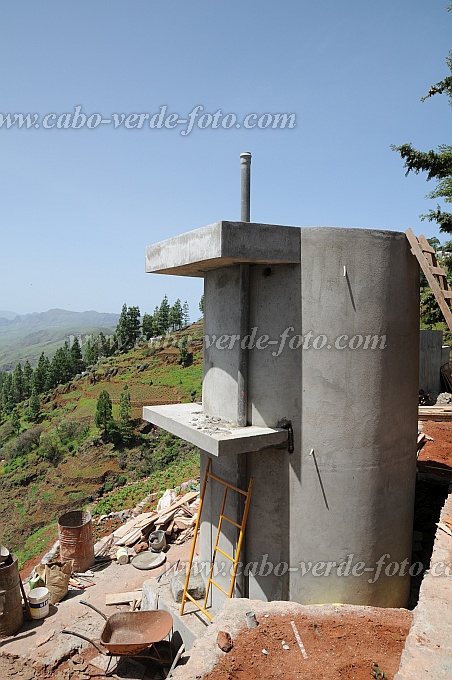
(185, 314)
(124, 406)
(75, 358)
(437, 164)
(28, 378)
(7, 394)
(175, 316)
(163, 316)
(51, 380)
(34, 408)
(147, 327)
(15, 421)
(40, 372)
(128, 329)
(91, 352)
(103, 345)
(121, 328)
(201, 304)
(124, 414)
(61, 365)
(18, 384)
(184, 355)
(104, 411)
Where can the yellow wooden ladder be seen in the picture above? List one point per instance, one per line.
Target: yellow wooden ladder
(234, 558)
(435, 275)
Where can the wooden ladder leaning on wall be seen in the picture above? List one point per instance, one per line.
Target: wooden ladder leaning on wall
(435, 275)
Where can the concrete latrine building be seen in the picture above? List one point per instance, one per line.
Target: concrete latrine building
(310, 386)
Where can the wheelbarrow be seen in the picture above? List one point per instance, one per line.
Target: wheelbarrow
(130, 634)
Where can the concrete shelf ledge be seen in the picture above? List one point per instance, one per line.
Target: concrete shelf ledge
(212, 434)
(224, 244)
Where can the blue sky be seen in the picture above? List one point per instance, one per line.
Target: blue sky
(78, 207)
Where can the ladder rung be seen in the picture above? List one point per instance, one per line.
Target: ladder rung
(225, 554)
(447, 294)
(214, 583)
(239, 526)
(425, 245)
(229, 486)
(439, 271)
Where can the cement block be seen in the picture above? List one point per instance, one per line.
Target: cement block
(196, 587)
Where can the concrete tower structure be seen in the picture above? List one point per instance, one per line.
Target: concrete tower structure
(332, 357)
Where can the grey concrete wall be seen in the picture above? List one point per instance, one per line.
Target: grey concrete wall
(220, 366)
(430, 360)
(358, 413)
(357, 408)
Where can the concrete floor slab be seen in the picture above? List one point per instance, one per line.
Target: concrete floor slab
(211, 434)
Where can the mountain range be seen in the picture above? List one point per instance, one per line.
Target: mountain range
(25, 336)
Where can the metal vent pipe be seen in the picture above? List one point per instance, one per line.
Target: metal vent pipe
(244, 301)
(245, 165)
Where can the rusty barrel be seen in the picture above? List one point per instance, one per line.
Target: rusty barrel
(11, 615)
(76, 539)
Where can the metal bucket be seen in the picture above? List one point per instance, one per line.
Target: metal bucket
(11, 615)
(157, 541)
(76, 539)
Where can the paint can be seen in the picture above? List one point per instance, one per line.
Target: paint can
(39, 599)
(122, 556)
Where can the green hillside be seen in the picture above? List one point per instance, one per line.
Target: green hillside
(64, 462)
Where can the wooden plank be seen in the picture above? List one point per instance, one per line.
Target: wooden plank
(169, 513)
(122, 598)
(131, 524)
(435, 412)
(416, 250)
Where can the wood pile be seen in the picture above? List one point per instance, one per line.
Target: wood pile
(177, 521)
(437, 412)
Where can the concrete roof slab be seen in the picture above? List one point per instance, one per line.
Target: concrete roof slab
(224, 244)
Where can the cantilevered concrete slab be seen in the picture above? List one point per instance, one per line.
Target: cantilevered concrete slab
(217, 437)
(224, 244)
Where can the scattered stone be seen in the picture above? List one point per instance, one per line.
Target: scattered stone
(264, 651)
(140, 547)
(224, 641)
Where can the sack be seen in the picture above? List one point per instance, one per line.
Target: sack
(168, 498)
(57, 577)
